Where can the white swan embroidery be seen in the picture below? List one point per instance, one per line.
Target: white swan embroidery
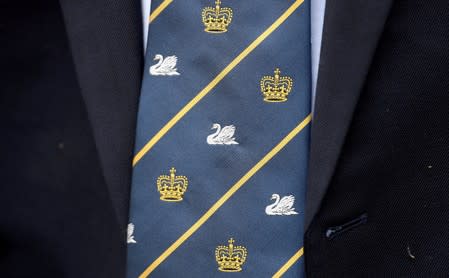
(130, 233)
(282, 206)
(223, 136)
(165, 66)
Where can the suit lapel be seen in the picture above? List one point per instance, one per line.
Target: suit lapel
(106, 42)
(351, 32)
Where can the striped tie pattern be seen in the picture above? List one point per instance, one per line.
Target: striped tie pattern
(222, 141)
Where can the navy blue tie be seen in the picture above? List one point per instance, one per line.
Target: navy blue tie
(222, 141)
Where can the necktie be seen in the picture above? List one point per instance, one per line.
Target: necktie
(222, 141)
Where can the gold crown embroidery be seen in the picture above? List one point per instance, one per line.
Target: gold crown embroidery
(172, 188)
(230, 258)
(217, 19)
(276, 88)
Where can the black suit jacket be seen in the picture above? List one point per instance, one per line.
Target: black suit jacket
(378, 191)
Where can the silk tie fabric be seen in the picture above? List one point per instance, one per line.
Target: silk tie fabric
(222, 141)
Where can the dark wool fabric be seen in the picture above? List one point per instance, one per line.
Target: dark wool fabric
(56, 214)
(394, 165)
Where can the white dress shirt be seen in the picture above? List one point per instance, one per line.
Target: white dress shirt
(317, 19)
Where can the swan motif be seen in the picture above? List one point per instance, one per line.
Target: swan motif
(222, 136)
(165, 66)
(282, 206)
(130, 233)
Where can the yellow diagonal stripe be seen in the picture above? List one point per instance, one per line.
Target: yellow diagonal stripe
(159, 9)
(215, 81)
(289, 263)
(226, 196)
